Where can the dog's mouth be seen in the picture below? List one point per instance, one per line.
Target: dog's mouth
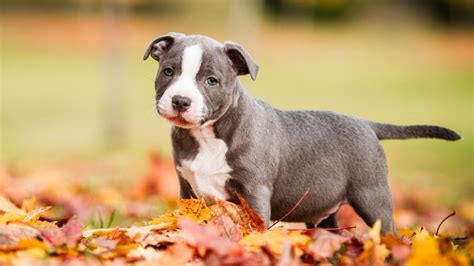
(179, 121)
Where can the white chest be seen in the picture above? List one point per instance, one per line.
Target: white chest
(208, 172)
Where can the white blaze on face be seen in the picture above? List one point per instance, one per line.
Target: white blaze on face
(186, 86)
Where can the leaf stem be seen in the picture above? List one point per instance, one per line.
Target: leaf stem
(292, 209)
(444, 220)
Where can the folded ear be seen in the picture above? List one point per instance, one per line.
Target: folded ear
(160, 45)
(242, 62)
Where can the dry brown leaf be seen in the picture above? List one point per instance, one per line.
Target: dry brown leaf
(226, 227)
(201, 236)
(7, 206)
(288, 256)
(12, 234)
(325, 244)
(248, 223)
(255, 223)
(72, 231)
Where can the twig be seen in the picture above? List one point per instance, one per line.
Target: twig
(446, 218)
(322, 228)
(292, 209)
(339, 228)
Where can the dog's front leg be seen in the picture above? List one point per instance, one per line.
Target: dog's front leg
(258, 197)
(185, 190)
(260, 202)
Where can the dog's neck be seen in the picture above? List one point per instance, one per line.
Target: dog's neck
(236, 115)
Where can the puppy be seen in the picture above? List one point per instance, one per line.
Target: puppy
(225, 141)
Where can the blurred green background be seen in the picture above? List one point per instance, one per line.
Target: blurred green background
(73, 84)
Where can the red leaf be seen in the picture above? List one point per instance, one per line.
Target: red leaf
(255, 222)
(201, 236)
(73, 231)
(325, 244)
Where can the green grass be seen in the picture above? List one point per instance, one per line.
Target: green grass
(51, 105)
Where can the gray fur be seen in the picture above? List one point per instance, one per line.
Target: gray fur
(277, 155)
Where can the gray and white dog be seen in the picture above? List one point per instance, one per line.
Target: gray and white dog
(226, 141)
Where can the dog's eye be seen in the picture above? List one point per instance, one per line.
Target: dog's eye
(211, 81)
(168, 71)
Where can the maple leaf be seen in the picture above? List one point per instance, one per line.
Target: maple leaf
(374, 253)
(242, 215)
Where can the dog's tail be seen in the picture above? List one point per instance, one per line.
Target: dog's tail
(387, 131)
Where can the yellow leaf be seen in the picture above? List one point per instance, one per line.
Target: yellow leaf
(11, 217)
(191, 209)
(166, 221)
(30, 204)
(32, 243)
(194, 209)
(37, 253)
(374, 232)
(34, 215)
(374, 253)
(426, 251)
(109, 232)
(275, 239)
(470, 249)
(405, 232)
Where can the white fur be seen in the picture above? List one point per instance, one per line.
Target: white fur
(186, 86)
(208, 172)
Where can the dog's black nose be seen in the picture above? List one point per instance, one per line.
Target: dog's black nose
(180, 103)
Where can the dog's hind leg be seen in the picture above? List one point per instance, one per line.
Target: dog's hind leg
(329, 222)
(372, 204)
(310, 225)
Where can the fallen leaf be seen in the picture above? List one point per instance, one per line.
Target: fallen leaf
(201, 236)
(72, 231)
(275, 240)
(33, 215)
(374, 253)
(325, 244)
(12, 234)
(426, 251)
(255, 223)
(226, 227)
(7, 206)
(51, 233)
(288, 257)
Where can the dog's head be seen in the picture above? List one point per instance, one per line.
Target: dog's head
(196, 77)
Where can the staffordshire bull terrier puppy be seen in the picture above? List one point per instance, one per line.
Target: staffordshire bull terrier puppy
(225, 141)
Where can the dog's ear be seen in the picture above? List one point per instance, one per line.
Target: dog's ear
(241, 60)
(161, 44)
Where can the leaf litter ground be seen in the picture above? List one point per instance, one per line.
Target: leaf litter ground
(34, 233)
